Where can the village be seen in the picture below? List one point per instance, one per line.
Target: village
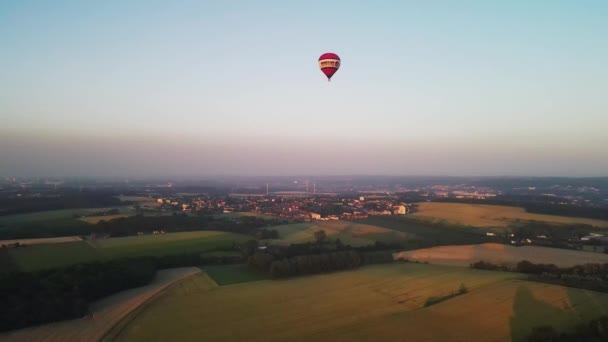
(294, 206)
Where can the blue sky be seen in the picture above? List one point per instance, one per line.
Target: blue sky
(208, 87)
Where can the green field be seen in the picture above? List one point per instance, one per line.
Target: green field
(375, 303)
(50, 215)
(350, 233)
(53, 223)
(425, 235)
(37, 257)
(233, 274)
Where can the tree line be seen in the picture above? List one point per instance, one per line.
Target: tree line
(315, 257)
(596, 330)
(128, 226)
(591, 276)
(31, 298)
(65, 199)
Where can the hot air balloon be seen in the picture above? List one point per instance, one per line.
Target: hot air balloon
(329, 63)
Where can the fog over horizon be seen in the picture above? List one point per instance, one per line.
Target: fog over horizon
(129, 156)
(202, 88)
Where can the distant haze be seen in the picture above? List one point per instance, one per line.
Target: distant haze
(197, 88)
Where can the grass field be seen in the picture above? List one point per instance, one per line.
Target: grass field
(481, 215)
(426, 235)
(54, 255)
(350, 233)
(50, 215)
(233, 274)
(381, 303)
(53, 223)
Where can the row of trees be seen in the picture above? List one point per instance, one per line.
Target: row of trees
(39, 297)
(590, 276)
(317, 263)
(311, 258)
(128, 226)
(182, 222)
(66, 199)
(594, 330)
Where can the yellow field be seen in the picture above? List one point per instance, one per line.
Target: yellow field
(481, 215)
(497, 253)
(40, 241)
(375, 303)
(350, 233)
(107, 313)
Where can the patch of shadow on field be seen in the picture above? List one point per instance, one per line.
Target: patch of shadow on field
(233, 274)
(529, 312)
(7, 263)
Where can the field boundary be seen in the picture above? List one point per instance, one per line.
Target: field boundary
(117, 328)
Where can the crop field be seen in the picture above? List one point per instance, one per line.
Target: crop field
(42, 240)
(350, 233)
(240, 214)
(135, 198)
(381, 302)
(54, 255)
(501, 254)
(481, 215)
(96, 219)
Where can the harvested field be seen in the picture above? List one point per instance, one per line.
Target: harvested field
(481, 215)
(350, 233)
(135, 198)
(506, 311)
(29, 242)
(107, 313)
(96, 219)
(374, 303)
(497, 253)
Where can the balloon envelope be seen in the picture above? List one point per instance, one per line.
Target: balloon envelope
(329, 63)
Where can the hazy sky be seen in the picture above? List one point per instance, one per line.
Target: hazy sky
(154, 88)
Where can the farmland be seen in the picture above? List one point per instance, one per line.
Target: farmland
(53, 255)
(464, 255)
(50, 215)
(234, 274)
(41, 241)
(481, 215)
(384, 302)
(354, 234)
(55, 223)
